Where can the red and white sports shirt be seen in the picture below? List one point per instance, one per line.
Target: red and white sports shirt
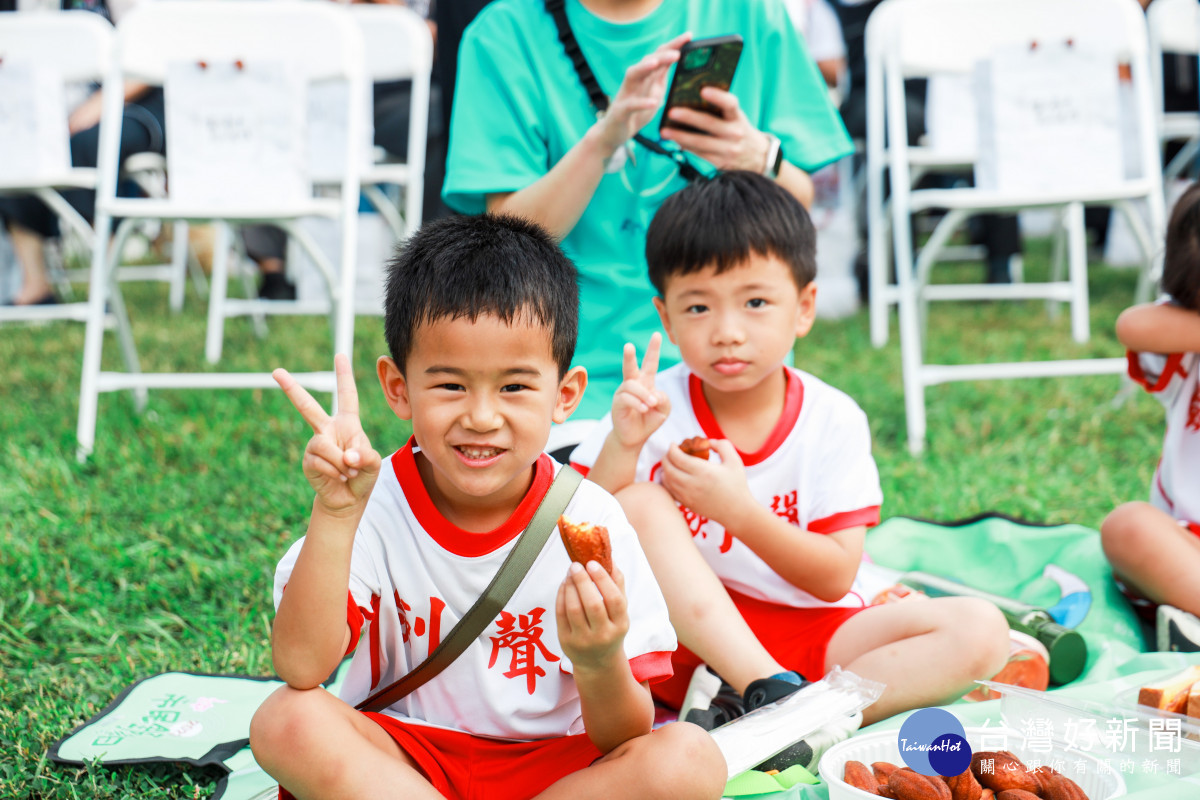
(1172, 379)
(413, 575)
(815, 470)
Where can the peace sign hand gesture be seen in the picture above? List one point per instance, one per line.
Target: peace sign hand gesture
(339, 461)
(639, 409)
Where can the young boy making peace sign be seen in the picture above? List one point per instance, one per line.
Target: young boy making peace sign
(757, 549)
(552, 700)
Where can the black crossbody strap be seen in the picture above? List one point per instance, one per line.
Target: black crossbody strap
(558, 10)
(493, 599)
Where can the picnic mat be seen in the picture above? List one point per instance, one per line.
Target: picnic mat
(1060, 568)
(188, 717)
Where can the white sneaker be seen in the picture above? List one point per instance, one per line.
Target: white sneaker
(1177, 630)
(709, 702)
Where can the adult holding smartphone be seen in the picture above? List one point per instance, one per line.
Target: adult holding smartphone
(526, 137)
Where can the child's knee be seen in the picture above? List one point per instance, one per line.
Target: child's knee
(983, 633)
(683, 755)
(281, 723)
(1124, 527)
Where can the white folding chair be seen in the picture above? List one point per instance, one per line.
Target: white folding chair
(1174, 27)
(919, 38)
(398, 46)
(316, 38)
(74, 47)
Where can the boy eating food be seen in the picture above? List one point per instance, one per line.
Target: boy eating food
(552, 699)
(757, 549)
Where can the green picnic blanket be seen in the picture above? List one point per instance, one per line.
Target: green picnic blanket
(993, 553)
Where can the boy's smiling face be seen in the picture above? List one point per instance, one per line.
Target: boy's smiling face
(481, 396)
(734, 329)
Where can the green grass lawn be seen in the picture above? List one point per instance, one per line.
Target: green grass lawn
(158, 554)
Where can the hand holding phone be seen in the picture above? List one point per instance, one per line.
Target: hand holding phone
(702, 63)
(715, 129)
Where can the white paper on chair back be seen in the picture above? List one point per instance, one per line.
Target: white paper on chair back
(237, 134)
(951, 121)
(34, 141)
(1049, 120)
(328, 129)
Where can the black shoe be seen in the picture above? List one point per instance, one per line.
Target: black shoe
(276, 286)
(808, 751)
(724, 706)
(765, 691)
(799, 753)
(1178, 631)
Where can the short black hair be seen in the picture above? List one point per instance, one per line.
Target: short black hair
(1181, 262)
(722, 221)
(465, 266)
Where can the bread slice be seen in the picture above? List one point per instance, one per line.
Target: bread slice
(1193, 701)
(1170, 693)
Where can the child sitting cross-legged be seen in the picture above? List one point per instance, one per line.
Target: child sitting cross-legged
(757, 548)
(552, 700)
(1154, 547)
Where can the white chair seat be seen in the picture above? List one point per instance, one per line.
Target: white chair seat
(76, 178)
(169, 209)
(386, 173)
(1179, 125)
(936, 157)
(967, 198)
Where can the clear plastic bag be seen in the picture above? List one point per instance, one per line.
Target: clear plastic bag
(755, 737)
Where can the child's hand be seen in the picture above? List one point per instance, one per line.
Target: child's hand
(339, 461)
(592, 617)
(717, 490)
(639, 409)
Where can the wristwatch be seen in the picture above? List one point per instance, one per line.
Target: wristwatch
(774, 157)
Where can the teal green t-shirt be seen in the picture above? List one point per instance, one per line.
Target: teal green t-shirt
(519, 106)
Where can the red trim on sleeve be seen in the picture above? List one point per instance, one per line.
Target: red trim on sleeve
(652, 667)
(793, 401)
(1194, 527)
(354, 618)
(1173, 367)
(450, 536)
(580, 468)
(868, 516)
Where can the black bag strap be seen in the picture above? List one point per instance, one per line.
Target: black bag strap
(558, 10)
(493, 599)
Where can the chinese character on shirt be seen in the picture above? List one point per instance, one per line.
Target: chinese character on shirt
(525, 642)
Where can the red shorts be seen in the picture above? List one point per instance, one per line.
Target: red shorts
(795, 637)
(1143, 606)
(465, 767)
